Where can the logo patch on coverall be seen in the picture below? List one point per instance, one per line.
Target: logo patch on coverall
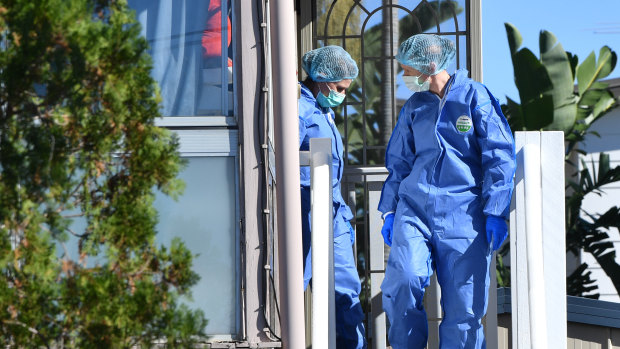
(464, 124)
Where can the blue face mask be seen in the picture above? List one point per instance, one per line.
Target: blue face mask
(333, 100)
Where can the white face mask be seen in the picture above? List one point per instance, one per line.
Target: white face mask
(413, 83)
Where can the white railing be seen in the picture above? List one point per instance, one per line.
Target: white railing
(536, 236)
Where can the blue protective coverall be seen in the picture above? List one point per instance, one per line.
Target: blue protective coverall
(451, 163)
(318, 122)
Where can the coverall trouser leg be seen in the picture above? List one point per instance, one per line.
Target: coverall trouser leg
(407, 274)
(463, 275)
(462, 266)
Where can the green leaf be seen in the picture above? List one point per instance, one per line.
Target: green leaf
(514, 38)
(538, 113)
(531, 77)
(603, 166)
(591, 69)
(586, 73)
(603, 105)
(557, 64)
(563, 117)
(591, 97)
(574, 60)
(516, 116)
(607, 61)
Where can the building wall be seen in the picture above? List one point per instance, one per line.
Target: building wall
(609, 142)
(580, 335)
(608, 128)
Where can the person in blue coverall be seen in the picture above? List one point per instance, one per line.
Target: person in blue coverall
(330, 72)
(451, 161)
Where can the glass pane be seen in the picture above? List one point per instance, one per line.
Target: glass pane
(461, 15)
(353, 47)
(450, 14)
(353, 138)
(204, 217)
(373, 35)
(451, 68)
(186, 39)
(335, 12)
(354, 22)
(462, 52)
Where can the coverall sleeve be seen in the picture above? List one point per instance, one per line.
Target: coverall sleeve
(302, 131)
(399, 157)
(498, 155)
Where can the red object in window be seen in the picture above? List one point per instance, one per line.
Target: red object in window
(212, 35)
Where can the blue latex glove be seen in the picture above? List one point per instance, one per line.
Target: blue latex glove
(497, 231)
(352, 232)
(388, 228)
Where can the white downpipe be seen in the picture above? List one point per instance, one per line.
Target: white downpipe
(323, 302)
(286, 134)
(534, 242)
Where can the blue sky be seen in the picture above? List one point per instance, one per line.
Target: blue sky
(580, 26)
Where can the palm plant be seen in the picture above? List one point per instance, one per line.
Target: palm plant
(550, 101)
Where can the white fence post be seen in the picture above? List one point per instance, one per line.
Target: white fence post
(319, 158)
(534, 247)
(537, 242)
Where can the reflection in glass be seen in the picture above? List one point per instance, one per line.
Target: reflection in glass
(204, 218)
(449, 14)
(451, 68)
(186, 39)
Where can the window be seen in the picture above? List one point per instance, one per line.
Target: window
(190, 42)
(371, 31)
(205, 217)
(187, 39)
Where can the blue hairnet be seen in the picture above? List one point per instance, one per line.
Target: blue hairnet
(329, 63)
(426, 53)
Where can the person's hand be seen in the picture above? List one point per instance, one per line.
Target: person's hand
(351, 232)
(497, 231)
(388, 227)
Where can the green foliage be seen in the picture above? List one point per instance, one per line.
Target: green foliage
(546, 87)
(79, 158)
(502, 271)
(549, 101)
